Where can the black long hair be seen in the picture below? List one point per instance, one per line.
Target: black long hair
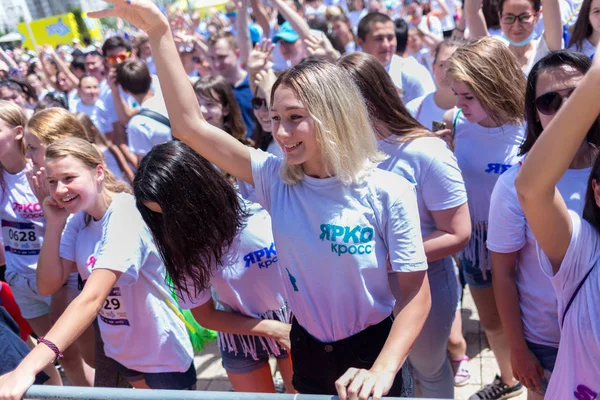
(201, 212)
(583, 28)
(554, 59)
(591, 211)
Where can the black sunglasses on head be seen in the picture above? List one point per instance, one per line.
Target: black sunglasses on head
(549, 103)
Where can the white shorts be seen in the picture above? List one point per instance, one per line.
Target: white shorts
(31, 303)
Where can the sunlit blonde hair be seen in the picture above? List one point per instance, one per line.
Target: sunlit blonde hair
(341, 121)
(54, 124)
(90, 155)
(13, 116)
(494, 75)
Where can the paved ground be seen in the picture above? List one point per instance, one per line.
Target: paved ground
(212, 376)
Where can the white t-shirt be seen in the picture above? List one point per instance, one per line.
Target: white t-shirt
(428, 164)
(411, 78)
(541, 50)
(334, 240)
(425, 110)
(577, 368)
(483, 154)
(97, 113)
(509, 232)
(135, 316)
(586, 48)
(448, 22)
(22, 224)
(432, 25)
(143, 132)
(249, 281)
(112, 164)
(106, 96)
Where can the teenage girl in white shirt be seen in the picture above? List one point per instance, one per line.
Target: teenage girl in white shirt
(23, 226)
(425, 160)
(569, 245)
(235, 256)
(525, 297)
(586, 32)
(433, 106)
(518, 19)
(108, 243)
(330, 203)
(487, 132)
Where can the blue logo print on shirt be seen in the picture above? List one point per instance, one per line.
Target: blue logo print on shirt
(256, 257)
(497, 168)
(358, 235)
(292, 280)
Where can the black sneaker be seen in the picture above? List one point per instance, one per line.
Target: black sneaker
(498, 391)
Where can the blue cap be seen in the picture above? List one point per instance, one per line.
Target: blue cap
(254, 34)
(287, 33)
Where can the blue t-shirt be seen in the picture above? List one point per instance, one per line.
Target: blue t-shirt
(243, 95)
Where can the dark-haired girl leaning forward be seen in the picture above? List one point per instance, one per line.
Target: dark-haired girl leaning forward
(235, 256)
(108, 243)
(568, 244)
(340, 224)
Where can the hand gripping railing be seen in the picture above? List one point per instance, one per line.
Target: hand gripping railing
(82, 393)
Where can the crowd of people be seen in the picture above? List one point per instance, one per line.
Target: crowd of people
(315, 181)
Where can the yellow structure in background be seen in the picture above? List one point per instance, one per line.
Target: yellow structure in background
(203, 6)
(60, 29)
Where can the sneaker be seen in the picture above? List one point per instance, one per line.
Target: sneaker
(461, 371)
(498, 391)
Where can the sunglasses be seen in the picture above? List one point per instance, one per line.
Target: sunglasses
(118, 58)
(549, 103)
(258, 103)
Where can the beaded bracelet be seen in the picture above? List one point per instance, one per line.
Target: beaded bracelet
(52, 347)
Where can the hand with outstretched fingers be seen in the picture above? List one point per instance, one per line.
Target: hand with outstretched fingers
(37, 182)
(143, 14)
(260, 56)
(360, 384)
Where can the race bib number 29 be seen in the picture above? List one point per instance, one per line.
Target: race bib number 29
(20, 238)
(112, 311)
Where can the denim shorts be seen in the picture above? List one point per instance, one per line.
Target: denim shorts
(161, 380)
(474, 276)
(545, 354)
(241, 363)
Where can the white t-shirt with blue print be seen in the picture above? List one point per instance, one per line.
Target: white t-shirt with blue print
(248, 282)
(333, 244)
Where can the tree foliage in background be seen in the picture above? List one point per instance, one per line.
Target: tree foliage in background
(82, 28)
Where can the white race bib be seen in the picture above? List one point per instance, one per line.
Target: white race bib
(20, 238)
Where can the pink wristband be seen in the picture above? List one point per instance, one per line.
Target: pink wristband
(52, 347)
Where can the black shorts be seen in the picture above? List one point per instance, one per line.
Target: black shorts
(318, 365)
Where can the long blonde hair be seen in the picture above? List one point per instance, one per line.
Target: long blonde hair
(90, 155)
(341, 121)
(494, 75)
(13, 116)
(53, 124)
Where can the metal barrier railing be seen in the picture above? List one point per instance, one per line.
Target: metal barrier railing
(82, 393)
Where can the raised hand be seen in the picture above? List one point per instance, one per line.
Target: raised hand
(37, 182)
(141, 13)
(260, 56)
(320, 47)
